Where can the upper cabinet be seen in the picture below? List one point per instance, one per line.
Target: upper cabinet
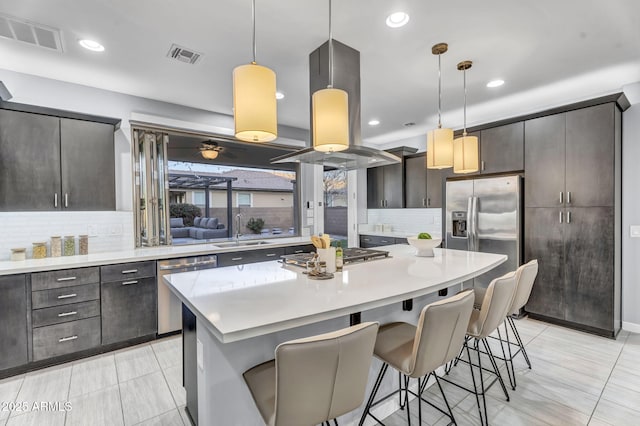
(384, 187)
(502, 148)
(423, 187)
(53, 163)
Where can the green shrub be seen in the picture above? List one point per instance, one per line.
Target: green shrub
(255, 225)
(186, 211)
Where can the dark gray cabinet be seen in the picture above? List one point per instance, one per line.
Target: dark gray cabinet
(29, 162)
(13, 321)
(502, 148)
(129, 302)
(573, 217)
(75, 163)
(305, 248)
(371, 241)
(88, 165)
(250, 256)
(423, 187)
(385, 187)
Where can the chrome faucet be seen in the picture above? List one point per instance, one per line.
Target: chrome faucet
(238, 234)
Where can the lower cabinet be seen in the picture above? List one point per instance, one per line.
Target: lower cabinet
(129, 309)
(13, 321)
(65, 338)
(250, 256)
(371, 241)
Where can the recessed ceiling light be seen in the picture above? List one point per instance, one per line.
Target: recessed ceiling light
(91, 45)
(374, 122)
(495, 83)
(397, 20)
(279, 95)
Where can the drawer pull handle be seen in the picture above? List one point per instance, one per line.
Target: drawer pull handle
(236, 258)
(271, 254)
(66, 279)
(67, 296)
(66, 314)
(130, 282)
(384, 241)
(298, 251)
(130, 271)
(67, 339)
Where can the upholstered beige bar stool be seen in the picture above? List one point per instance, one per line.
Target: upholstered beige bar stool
(315, 379)
(417, 352)
(525, 277)
(483, 322)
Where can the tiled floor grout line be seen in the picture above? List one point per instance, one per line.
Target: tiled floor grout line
(164, 376)
(15, 399)
(608, 378)
(119, 391)
(69, 391)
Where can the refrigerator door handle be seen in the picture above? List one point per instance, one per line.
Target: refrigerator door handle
(474, 213)
(470, 224)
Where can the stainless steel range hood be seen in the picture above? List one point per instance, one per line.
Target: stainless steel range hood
(346, 76)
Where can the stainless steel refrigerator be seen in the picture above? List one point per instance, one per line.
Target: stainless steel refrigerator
(485, 214)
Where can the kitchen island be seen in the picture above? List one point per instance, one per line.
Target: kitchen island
(234, 317)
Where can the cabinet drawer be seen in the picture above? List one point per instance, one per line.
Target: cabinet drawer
(401, 241)
(65, 338)
(367, 241)
(65, 313)
(253, 256)
(127, 271)
(64, 278)
(65, 296)
(129, 309)
(307, 248)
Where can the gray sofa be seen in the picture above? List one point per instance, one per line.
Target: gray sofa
(203, 228)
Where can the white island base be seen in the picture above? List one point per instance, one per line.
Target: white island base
(236, 316)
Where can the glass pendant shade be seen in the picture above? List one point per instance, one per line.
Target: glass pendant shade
(330, 120)
(440, 148)
(465, 154)
(254, 103)
(209, 154)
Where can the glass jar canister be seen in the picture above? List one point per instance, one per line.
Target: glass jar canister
(39, 250)
(69, 245)
(18, 253)
(56, 246)
(83, 243)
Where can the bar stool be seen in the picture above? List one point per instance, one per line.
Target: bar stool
(417, 352)
(495, 306)
(315, 379)
(525, 277)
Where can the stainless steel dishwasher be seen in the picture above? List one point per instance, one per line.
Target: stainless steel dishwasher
(169, 306)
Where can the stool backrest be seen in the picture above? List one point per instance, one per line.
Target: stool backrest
(525, 276)
(495, 305)
(440, 333)
(322, 377)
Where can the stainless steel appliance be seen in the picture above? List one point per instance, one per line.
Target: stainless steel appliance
(169, 306)
(349, 256)
(485, 214)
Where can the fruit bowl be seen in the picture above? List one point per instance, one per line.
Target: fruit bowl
(424, 248)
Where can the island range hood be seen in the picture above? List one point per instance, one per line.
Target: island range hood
(346, 76)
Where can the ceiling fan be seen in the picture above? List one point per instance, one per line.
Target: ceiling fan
(210, 150)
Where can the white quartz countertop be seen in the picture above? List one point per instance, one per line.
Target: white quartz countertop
(148, 253)
(240, 302)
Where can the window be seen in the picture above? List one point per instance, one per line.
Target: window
(198, 198)
(243, 199)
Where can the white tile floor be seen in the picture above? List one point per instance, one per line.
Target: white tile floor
(577, 379)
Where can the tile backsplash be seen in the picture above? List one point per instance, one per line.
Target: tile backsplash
(108, 231)
(408, 220)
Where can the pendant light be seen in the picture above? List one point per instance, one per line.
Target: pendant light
(439, 141)
(465, 148)
(254, 98)
(330, 111)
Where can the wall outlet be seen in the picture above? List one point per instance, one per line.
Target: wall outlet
(634, 231)
(199, 354)
(92, 230)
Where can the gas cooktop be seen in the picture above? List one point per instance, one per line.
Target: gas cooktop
(350, 255)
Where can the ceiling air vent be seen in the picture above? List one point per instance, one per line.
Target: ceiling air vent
(183, 54)
(30, 32)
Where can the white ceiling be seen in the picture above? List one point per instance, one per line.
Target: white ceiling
(549, 52)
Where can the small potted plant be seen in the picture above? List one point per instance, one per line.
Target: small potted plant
(255, 225)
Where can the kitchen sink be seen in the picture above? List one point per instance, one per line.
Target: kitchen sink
(241, 244)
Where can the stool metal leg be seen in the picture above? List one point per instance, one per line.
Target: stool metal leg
(512, 381)
(519, 340)
(374, 391)
(495, 367)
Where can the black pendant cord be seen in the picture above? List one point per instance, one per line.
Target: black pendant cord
(253, 37)
(439, 90)
(330, 50)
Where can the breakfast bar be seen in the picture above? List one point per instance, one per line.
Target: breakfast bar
(234, 317)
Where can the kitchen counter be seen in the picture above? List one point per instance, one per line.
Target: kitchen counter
(145, 253)
(234, 317)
